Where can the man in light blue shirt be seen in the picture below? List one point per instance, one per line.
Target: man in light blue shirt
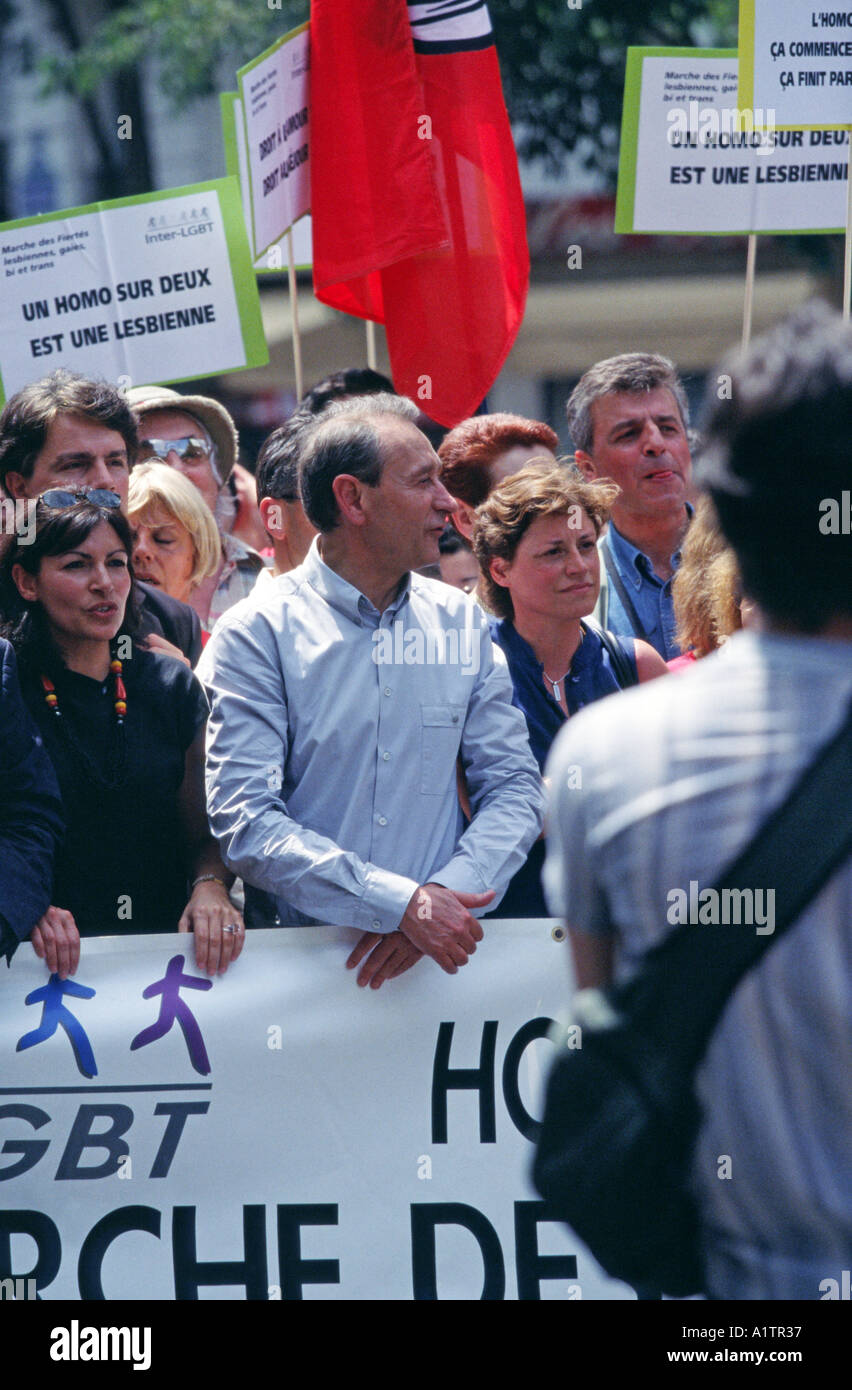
(628, 418)
(343, 696)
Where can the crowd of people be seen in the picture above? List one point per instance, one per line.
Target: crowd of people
(368, 650)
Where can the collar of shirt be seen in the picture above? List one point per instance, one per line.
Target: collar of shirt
(238, 554)
(343, 596)
(633, 564)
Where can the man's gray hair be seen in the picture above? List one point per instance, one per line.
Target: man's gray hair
(630, 373)
(345, 440)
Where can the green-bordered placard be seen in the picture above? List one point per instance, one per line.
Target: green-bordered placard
(274, 94)
(692, 163)
(274, 259)
(796, 64)
(156, 287)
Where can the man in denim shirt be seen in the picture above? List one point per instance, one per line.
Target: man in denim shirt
(344, 696)
(628, 418)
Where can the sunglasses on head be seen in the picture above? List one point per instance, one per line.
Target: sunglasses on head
(190, 448)
(98, 496)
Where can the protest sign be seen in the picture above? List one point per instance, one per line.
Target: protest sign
(153, 288)
(274, 92)
(274, 259)
(279, 1133)
(796, 63)
(690, 165)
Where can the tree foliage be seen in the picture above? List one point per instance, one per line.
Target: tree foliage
(563, 67)
(190, 40)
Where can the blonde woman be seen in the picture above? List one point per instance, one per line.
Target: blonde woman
(175, 538)
(706, 591)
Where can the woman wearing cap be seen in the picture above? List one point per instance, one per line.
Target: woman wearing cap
(535, 538)
(197, 436)
(175, 539)
(124, 728)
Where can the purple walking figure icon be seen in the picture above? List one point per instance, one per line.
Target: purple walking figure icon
(55, 1013)
(173, 1007)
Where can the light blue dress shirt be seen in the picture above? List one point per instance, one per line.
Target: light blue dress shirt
(651, 596)
(332, 746)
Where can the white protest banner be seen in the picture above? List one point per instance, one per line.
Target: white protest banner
(153, 288)
(274, 259)
(279, 1133)
(688, 167)
(796, 63)
(274, 91)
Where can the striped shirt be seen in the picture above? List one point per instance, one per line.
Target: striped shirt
(659, 788)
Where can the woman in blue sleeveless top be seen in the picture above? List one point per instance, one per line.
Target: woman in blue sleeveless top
(536, 541)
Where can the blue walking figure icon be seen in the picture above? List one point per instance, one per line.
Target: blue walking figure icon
(55, 1013)
(173, 1007)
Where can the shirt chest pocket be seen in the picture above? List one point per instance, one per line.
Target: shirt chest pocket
(440, 735)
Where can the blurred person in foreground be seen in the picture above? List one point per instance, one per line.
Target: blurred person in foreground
(480, 452)
(536, 542)
(341, 699)
(197, 436)
(66, 431)
(629, 421)
(124, 729)
(701, 762)
(175, 539)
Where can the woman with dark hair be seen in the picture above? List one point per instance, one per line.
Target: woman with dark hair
(535, 538)
(124, 728)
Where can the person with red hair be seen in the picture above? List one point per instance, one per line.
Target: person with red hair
(482, 451)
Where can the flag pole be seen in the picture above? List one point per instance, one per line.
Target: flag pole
(847, 249)
(371, 343)
(748, 301)
(294, 315)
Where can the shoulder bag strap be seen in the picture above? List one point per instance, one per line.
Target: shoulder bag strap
(687, 980)
(624, 669)
(618, 584)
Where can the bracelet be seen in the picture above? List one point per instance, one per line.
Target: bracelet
(208, 878)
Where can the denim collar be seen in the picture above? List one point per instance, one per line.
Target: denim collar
(634, 564)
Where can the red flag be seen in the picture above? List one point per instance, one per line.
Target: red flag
(418, 217)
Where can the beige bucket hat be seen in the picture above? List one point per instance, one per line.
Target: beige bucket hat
(213, 416)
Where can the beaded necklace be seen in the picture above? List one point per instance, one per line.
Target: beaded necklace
(119, 760)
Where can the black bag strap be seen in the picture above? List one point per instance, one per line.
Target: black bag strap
(686, 981)
(618, 584)
(623, 668)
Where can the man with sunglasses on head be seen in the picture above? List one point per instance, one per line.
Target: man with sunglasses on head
(68, 433)
(197, 436)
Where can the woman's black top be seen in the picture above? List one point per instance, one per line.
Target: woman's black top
(122, 866)
(591, 677)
